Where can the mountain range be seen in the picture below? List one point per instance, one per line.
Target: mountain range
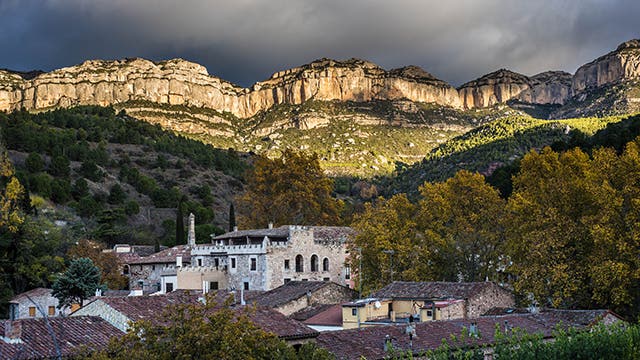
(359, 117)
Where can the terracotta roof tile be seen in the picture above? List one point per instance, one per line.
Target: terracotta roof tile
(331, 316)
(288, 292)
(72, 334)
(431, 290)
(31, 293)
(311, 311)
(166, 256)
(369, 342)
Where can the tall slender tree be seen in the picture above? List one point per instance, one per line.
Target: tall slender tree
(232, 218)
(180, 237)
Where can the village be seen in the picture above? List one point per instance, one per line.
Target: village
(298, 282)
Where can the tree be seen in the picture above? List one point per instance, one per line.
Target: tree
(116, 195)
(107, 262)
(203, 331)
(34, 163)
(289, 190)
(59, 166)
(78, 283)
(232, 217)
(462, 217)
(180, 236)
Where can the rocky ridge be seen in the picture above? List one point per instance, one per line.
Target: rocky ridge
(182, 83)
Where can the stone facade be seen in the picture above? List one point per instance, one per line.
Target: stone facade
(486, 298)
(267, 258)
(103, 310)
(33, 303)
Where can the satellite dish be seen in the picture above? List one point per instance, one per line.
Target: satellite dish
(377, 305)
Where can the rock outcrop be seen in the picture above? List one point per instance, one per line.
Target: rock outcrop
(620, 64)
(551, 87)
(179, 82)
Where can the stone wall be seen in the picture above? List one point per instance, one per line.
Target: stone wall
(43, 302)
(491, 296)
(101, 309)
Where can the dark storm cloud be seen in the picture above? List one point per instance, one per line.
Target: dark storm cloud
(246, 40)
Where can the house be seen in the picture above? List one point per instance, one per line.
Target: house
(425, 301)
(295, 296)
(263, 259)
(157, 272)
(35, 303)
(34, 338)
(378, 342)
(121, 311)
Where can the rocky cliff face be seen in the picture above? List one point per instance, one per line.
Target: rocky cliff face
(179, 82)
(621, 64)
(552, 87)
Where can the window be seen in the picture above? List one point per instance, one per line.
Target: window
(153, 267)
(325, 264)
(32, 311)
(233, 263)
(286, 265)
(254, 264)
(314, 262)
(169, 287)
(52, 310)
(430, 314)
(286, 280)
(299, 263)
(347, 272)
(213, 285)
(354, 311)
(326, 279)
(199, 262)
(216, 262)
(246, 285)
(126, 270)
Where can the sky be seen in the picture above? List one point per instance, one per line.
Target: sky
(244, 41)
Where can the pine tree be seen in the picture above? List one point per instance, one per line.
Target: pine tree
(78, 283)
(180, 238)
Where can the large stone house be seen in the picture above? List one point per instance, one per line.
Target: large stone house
(157, 272)
(296, 296)
(263, 259)
(35, 303)
(425, 301)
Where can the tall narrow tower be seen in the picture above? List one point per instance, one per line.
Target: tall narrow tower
(191, 237)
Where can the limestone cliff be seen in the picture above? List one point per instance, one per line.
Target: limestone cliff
(620, 64)
(179, 82)
(552, 87)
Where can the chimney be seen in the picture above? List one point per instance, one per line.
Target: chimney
(235, 228)
(13, 331)
(178, 261)
(98, 292)
(270, 225)
(191, 237)
(392, 315)
(242, 302)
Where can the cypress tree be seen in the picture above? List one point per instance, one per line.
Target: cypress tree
(232, 218)
(180, 238)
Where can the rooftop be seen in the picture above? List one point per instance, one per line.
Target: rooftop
(369, 342)
(165, 256)
(35, 341)
(331, 316)
(432, 290)
(37, 292)
(288, 292)
(320, 233)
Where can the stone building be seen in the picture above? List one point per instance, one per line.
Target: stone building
(425, 301)
(157, 272)
(263, 259)
(295, 296)
(33, 303)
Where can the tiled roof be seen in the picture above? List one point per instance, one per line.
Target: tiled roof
(166, 256)
(494, 311)
(290, 291)
(369, 342)
(311, 311)
(71, 333)
(320, 233)
(331, 316)
(151, 307)
(431, 290)
(37, 292)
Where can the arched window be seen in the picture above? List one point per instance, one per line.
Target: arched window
(325, 264)
(299, 263)
(125, 270)
(314, 262)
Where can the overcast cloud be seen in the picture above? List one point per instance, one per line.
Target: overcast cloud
(244, 41)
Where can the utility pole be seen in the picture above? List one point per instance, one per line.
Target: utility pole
(390, 253)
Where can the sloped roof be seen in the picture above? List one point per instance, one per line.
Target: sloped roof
(165, 256)
(151, 307)
(71, 333)
(293, 290)
(431, 290)
(331, 316)
(311, 311)
(369, 342)
(320, 233)
(37, 292)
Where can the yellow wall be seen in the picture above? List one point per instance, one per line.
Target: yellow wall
(192, 280)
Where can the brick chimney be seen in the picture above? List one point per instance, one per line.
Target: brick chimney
(12, 331)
